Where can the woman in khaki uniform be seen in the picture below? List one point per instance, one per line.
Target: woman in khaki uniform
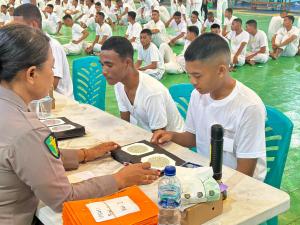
(31, 165)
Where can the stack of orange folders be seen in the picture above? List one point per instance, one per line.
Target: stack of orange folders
(78, 213)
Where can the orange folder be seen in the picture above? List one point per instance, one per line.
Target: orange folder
(77, 213)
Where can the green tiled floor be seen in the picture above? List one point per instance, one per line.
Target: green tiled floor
(277, 83)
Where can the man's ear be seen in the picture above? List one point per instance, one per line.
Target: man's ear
(222, 70)
(30, 75)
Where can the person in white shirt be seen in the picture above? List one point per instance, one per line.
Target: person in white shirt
(142, 100)
(275, 24)
(122, 10)
(4, 15)
(286, 41)
(79, 34)
(257, 45)
(179, 7)
(52, 24)
(88, 13)
(149, 59)
(131, 4)
(145, 10)
(103, 32)
(75, 10)
(228, 21)
(110, 11)
(222, 5)
(30, 15)
(58, 9)
(219, 99)
(158, 29)
(179, 26)
(133, 31)
(238, 42)
(176, 64)
(209, 21)
(216, 29)
(193, 5)
(91, 22)
(65, 5)
(195, 21)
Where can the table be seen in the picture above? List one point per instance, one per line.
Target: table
(249, 201)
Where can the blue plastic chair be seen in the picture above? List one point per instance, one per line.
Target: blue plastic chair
(89, 84)
(181, 94)
(278, 131)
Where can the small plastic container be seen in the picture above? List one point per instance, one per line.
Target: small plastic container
(42, 107)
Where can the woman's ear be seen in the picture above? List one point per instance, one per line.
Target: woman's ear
(30, 74)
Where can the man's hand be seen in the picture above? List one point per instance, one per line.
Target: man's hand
(136, 174)
(161, 137)
(89, 49)
(172, 42)
(235, 60)
(75, 42)
(100, 150)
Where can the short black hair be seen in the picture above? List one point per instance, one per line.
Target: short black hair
(101, 14)
(120, 45)
(215, 26)
(238, 20)
(67, 16)
(177, 13)
(230, 10)
(155, 10)
(146, 31)
(29, 12)
(51, 6)
(252, 23)
(193, 29)
(132, 14)
(98, 4)
(119, 1)
(195, 13)
(207, 46)
(210, 14)
(21, 47)
(6, 6)
(291, 18)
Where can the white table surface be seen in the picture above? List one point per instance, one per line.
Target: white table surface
(249, 201)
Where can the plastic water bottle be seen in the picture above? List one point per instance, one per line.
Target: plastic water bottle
(169, 198)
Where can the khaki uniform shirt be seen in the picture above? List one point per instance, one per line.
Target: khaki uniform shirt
(31, 171)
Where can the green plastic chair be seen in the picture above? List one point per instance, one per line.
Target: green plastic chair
(89, 84)
(278, 131)
(181, 94)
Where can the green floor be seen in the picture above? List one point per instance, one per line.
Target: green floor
(277, 83)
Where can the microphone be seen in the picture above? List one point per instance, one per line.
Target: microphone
(216, 156)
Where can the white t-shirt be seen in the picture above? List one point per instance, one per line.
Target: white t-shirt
(258, 41)
(104, 30)
(294, 31)
(197, 24)
(178, 28)
(89, 11)
(153, 106)
(53, 18)
(4, 17)
(237, 40)
(181, 8)
(134, 30)
(110, 10)
(159, 25)
(76, 32)
(207, 23)
(123, 8)
(228, 22)
(147, 4)
(242, 115)
(149, 55)
(61, 69)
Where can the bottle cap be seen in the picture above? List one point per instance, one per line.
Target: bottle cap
(170, 171)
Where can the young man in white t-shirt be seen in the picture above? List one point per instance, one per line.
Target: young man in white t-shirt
(179, 26)
(103, 32)
(4, 15)
(142, 100)
(52, 23)
(275, 24)
(257, 45)
(210, 21)
(219, 99)
(176, 64)
(88, 13)
(238, 42)
(149, 59)
(30, 15)
(228, 21)
(286, 41)
(75, 10)
(133, 31)
(79, 34)
(122, 10)
(158, 29)
(195, 21)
